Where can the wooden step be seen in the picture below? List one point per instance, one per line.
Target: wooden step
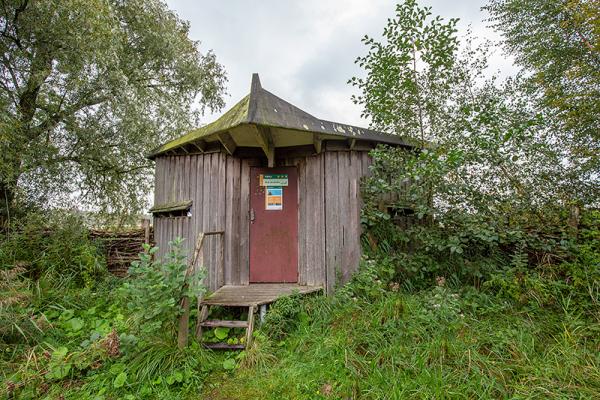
(224, 346)
(222, 323)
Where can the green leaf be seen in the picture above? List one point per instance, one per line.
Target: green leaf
(59, 371)
(115, 369)
(178, 376)
(120, 380)
(229, 364)
(75, 324)
(59, 353)
(67, 314)
(221, 333)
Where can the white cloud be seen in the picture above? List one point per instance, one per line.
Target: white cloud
(304, 50)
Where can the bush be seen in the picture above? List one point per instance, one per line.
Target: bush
(576, 279)
(54, 249)
(461, 232)
(283, 317)
(155, 288)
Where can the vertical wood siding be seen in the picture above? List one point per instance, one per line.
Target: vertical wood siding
(219, 187)
(329, 213)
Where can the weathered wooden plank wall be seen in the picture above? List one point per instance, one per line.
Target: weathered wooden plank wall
(219, 186)
(329, 228)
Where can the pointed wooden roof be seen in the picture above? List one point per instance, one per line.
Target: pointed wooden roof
(265, 112)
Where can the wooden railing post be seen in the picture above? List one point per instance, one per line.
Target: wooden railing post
(197, 259)
(184, 320)
(146, 227)
(202, 312)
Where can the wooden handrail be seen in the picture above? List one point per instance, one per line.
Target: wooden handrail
(184, 320)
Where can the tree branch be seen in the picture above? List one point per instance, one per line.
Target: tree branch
(59, 116)
(6, 63)
(41, 68)
(101, 163)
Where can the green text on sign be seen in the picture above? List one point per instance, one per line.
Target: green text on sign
(274, 180)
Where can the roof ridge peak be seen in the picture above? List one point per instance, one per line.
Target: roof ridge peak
(255, 88)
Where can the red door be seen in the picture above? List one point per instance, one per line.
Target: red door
(274, 226)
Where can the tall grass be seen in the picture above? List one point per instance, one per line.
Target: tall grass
(436, 344)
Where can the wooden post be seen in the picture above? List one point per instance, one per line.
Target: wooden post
(202, 316)
(203, 309)
(146, 227)
(184, 320)
(250, 328)
(222, 257)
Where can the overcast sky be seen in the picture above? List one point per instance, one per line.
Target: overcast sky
(304, 50)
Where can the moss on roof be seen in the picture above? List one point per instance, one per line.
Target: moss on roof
(237, 115)
(261, 107)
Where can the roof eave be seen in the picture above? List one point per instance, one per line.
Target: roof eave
(246, 112)
(161, 150)
(235, 116)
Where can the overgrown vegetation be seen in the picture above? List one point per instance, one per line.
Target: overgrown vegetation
(516, 335)
(53, 249)
(445, 341)
(155, 288)
(481, 269)
(111, 339)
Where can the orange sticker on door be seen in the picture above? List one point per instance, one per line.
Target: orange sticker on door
(274, 198)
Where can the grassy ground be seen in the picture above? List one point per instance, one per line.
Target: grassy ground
(372, 343)
(435, 344)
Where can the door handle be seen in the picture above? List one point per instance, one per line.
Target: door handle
(252, 215)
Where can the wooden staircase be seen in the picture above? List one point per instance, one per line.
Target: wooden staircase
(204, 322)
(249, 296)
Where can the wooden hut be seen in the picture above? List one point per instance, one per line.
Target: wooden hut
(283, 187)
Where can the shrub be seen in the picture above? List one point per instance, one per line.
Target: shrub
(283, 317)
(53, 249)
(155, 288)
(465, 231)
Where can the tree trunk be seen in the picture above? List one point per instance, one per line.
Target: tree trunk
(6, 203)
(418, 92)
(574, 220)
(40, 70)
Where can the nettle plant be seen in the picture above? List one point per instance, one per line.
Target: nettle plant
(156, 287)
